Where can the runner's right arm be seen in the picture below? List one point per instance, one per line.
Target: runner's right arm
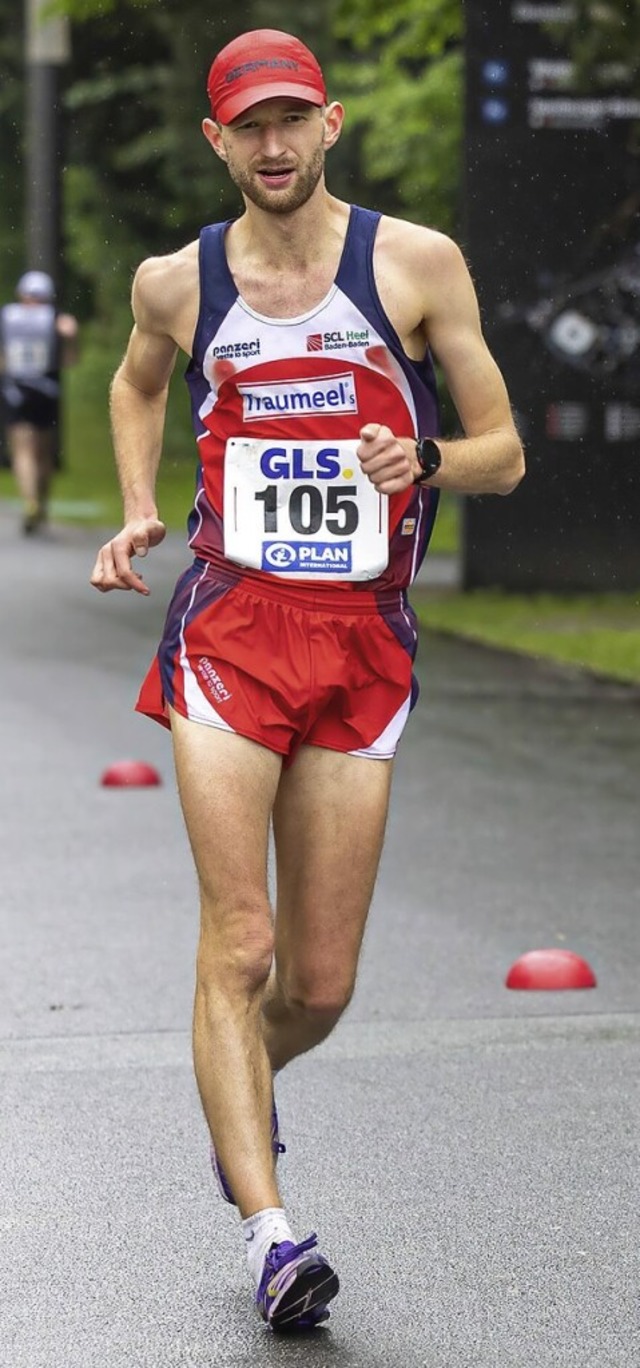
(138, 401)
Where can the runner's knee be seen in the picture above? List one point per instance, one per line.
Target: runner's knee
(235, 952)
(319, 999)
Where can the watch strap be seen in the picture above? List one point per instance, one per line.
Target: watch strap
(429, 458)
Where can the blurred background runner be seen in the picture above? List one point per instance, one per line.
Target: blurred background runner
(36, 341)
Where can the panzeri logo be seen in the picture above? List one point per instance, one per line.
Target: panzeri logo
(240, 349)
(212, 680)
(337, 341)
(298, 398)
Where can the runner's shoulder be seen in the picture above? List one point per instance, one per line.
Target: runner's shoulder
(417, 246)
(161, 287)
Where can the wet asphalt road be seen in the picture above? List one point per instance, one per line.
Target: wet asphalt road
(468, 1155)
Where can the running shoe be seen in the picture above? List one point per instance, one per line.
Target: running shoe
(296, 1286)
(219, 1173)
(34, 517)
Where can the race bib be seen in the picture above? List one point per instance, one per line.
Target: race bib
(303, 510)
(26, 357)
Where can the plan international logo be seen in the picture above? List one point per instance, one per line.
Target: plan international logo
(300, 558)
(298, 398)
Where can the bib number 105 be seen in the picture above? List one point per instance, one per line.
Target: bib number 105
(309, 509)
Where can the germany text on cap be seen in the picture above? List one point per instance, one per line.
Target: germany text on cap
(262, 65)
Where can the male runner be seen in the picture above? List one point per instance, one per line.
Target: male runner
(285, 668)
(35, 341)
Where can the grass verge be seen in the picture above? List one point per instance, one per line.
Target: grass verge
(597, 632)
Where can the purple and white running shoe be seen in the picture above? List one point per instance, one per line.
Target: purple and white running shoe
(296, 1286)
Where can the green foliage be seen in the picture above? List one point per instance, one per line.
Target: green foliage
(413, 28)
(604, 39)
(90, 9)
(411, 135)
(12, 261)
(100, 253)
(139, 178)
(404, 95)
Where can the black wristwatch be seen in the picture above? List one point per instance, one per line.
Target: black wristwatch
(429, 458)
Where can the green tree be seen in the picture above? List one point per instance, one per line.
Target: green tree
(11, 118)
(140, 178)
(405, 98)
(604, 39)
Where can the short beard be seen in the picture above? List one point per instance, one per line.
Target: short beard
(280, 202)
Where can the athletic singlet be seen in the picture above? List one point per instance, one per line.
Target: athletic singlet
(277, 407)
(30, 347)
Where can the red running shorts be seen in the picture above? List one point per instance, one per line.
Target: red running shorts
(286, 666)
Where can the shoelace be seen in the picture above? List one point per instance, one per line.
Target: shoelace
(277, 1259)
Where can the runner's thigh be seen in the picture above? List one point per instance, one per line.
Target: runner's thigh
(22, 440)
(227, 785)
(329, 822)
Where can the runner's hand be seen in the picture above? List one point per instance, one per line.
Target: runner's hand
(385, 459)
(113, 569)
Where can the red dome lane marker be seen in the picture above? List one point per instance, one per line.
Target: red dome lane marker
(130, 774)
(549, 971)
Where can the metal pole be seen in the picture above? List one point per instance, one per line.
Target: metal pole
(47, 48)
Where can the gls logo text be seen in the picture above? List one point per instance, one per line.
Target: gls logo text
(294, 463)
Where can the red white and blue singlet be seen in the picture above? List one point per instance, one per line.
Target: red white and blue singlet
(282, 510)
(282, 383)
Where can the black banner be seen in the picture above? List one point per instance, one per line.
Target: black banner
(553, 241)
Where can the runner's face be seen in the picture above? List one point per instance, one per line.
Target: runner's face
(275, 153)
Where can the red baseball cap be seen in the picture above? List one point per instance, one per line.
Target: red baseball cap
(262, 65)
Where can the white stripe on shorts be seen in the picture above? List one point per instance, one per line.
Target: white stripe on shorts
(385, 745)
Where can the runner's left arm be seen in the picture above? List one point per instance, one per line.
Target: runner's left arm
(489, 458)
(67, 330)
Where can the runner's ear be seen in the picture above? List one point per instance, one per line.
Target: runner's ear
(213, 135)
(333, 117)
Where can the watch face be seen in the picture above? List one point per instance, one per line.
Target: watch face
(429, 456)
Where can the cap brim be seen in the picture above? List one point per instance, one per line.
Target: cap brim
(234, 105)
